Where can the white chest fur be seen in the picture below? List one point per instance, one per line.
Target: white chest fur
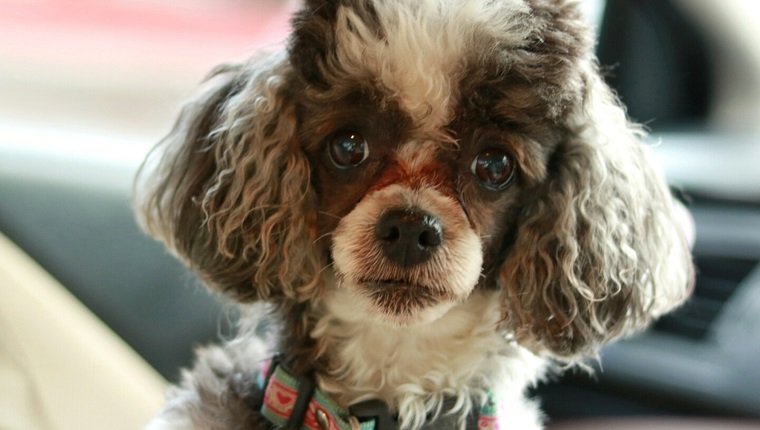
(414, 368)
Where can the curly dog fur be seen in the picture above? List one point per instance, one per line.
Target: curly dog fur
(549, 230)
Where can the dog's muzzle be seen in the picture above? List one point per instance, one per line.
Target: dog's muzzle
(408, 254)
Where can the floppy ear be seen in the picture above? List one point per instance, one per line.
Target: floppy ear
(599, 251)
(228, 190)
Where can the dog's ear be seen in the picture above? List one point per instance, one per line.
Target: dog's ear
(599, 251)
(228, 190)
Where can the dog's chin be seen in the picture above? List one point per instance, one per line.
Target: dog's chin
(417, 317)
(402, 304)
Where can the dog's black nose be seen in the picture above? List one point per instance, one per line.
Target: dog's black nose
(408, 237)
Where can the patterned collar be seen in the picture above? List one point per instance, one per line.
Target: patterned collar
(293, 403)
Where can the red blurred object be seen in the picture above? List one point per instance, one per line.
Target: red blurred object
(169, 34)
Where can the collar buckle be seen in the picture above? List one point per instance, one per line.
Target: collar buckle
(374, 410)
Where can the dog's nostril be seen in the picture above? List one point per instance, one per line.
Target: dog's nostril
(408, 237)
(431, 236)
(388, 232)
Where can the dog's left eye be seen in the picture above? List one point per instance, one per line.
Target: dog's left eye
(347, 149)
(494, 168)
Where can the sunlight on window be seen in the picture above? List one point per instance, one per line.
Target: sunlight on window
(593, 9)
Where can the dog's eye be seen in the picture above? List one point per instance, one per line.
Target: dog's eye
(494, 168)
(347, 149)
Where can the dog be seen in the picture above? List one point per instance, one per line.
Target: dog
(421, 207)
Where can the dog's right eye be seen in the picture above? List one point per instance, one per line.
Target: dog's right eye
(347, 149)
(494, 168)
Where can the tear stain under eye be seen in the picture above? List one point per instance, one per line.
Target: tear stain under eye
(434, 174)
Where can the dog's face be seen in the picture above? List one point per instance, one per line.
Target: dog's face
(422, 160)
(405, 240)
(415, 151)
(413, 220)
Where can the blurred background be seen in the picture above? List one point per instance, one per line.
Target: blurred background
(114, 71)
(88, 86)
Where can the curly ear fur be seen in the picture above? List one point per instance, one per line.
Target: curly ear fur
(598, 251)
(229, 188)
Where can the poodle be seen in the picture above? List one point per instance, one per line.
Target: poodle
(421, 207)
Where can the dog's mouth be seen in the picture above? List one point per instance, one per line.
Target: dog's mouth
(391, 283)
(402, 297)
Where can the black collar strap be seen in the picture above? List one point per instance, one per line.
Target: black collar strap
(295, 404)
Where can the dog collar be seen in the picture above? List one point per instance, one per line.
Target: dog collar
(296, 404)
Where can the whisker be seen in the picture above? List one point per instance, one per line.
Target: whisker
(330, 215)
(327, 266)
(322, 237)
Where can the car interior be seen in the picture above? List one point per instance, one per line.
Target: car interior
(699, 360)
(683, 68)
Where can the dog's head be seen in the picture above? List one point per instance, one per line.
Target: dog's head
(418, 150)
